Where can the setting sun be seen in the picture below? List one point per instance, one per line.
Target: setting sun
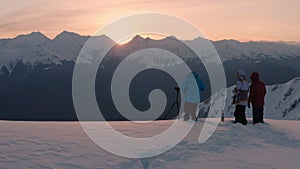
(152, 36)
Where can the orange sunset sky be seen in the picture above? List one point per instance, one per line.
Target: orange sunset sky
(272, 20)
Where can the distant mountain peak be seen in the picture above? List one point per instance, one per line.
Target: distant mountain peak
(63, 33)
(37, 33)
(137, 38)
(66, 34)
(33, 36)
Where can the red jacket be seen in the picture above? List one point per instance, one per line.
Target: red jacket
(257, 91)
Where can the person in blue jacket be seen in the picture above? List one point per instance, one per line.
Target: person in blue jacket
(191, 88)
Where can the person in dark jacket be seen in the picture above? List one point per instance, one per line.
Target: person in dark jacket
(257, 98)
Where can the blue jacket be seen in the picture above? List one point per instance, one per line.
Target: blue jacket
(191, 88)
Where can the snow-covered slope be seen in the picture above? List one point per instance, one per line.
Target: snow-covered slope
(233, 49)
(282, 101)
(25, 48)
(229, 49)
(275, 144)
(36, 48)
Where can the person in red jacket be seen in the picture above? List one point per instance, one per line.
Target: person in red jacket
(257, 98)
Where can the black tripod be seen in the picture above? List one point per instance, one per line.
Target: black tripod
(176, 102)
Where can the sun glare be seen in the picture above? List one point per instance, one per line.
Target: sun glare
(153, 36)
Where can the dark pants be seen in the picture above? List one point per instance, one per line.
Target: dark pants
(239, 114)
(258, 114)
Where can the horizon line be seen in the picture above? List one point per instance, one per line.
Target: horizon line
(144, 37)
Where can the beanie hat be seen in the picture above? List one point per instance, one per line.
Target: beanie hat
(254, 76)
(242, 73)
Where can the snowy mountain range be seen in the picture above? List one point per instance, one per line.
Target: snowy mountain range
(36, 72)
(282, 102)
(36, 48)
(232, 49)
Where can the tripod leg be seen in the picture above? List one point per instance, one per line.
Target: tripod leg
(197, 113)
(178, 111)
(173, 104)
